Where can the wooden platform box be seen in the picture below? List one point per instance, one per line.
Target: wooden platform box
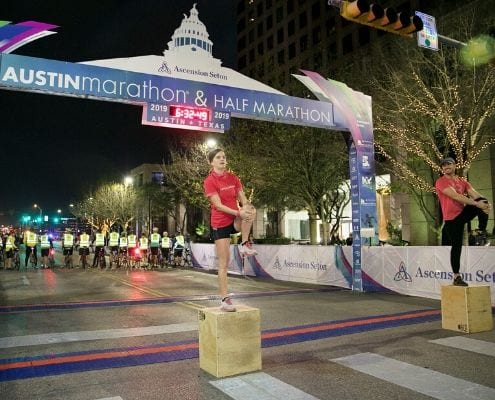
(467, 309)
(229, 342)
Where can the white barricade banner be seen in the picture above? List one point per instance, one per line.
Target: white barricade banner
(411, 270)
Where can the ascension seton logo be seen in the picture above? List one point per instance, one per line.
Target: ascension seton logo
(402, 274)
(164, 68)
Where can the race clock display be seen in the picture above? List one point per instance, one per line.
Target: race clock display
(190, 113)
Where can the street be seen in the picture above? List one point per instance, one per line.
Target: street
(95, 334)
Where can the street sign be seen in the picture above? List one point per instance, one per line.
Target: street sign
(428, 37)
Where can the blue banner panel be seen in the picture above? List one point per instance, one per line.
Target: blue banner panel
(57, 77)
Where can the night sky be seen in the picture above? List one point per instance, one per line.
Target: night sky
(54, 148)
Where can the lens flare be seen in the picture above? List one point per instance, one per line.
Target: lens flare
(478, 51)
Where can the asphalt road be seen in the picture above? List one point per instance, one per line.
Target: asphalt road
(93, 334)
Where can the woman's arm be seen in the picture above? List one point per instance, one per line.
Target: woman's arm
(217, 203)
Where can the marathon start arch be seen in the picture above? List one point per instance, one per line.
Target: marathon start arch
(187, 88)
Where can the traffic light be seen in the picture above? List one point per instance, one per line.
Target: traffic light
(361, 12)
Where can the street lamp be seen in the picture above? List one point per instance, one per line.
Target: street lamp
(41, 210)
(41, 213)
(211, 143)
(128, 180)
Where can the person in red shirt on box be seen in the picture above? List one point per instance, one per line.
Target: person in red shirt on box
(460, 204)
(224, 191)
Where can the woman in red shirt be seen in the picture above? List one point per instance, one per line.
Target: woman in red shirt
(224, 191)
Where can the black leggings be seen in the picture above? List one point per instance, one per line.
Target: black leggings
(453, 232)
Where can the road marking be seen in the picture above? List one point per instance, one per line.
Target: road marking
(259, 386)
(464, 343)
(111, 398)
(153, 292)
(25, 280)
(62, 337)
(421, 380)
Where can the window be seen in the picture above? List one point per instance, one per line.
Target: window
(303, 43)
(280, 14)
(269, 42)
(291, 27)
(281, 57)
(260, 29)
(157, 177)
(292, 51)
(269, 22)
(315, 10)
(261, 48)
(251, 56)
(280, 35)
(316, 36)
(251, 36)
(241, 43)
(290, 6)
(317, 60)
(242, 62)
(303, 20)
(259, 9)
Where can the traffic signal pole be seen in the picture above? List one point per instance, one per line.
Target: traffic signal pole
(374, 16)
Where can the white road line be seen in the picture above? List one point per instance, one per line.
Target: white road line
(259, 386)
(25, 280)
(421, 380)
(61, 337)
(464, 343)
(112, 398)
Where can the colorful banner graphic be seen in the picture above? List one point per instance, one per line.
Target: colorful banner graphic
(409, 270)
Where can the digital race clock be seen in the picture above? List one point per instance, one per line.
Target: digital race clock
(190, 113)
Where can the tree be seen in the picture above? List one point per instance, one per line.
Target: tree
(289, 167)
(111, 203)
(184, 180)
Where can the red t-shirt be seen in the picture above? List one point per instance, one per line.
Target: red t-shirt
(227, 186)
(450, 207)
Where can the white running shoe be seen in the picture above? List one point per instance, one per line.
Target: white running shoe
(246, 250)
(227, 305)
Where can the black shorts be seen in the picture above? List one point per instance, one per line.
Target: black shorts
(123, 250)
(45, 252)
(165, 251)
(154, 251)
(114, 249)
(224, 232)
(68, 251)
(9, 253)
(83, 251)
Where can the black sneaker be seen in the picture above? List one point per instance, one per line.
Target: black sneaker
(459, 282)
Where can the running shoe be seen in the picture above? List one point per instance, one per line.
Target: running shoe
(459, 282)
(227, 305)
(247, 250)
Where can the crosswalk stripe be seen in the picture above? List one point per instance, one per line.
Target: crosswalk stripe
(112, 398)
(467, 344)
(259, 386)
(61, 337)
(421, 380)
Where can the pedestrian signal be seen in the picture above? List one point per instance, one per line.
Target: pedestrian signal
(361, 12)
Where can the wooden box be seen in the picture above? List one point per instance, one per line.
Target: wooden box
(229, 342)
(467, 309)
